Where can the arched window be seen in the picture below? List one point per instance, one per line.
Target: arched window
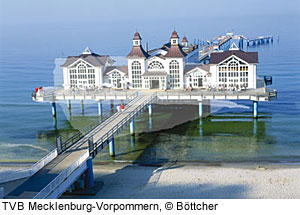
(155, 65)
(81, 69)
(233, 66)
(136, 74)
(116, 79)
(174, 74)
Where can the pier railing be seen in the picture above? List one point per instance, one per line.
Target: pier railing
(50, 94)
(80, 134)
(264, 94)
(58, 180)
(27, 172)
(122, 123)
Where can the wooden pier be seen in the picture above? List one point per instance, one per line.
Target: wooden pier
(259, 40)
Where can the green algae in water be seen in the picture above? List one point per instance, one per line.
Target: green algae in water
(218, 138)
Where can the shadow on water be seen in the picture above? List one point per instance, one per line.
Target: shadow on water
(172, 137)
(177, 134)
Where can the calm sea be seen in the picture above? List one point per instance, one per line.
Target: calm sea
(27, 129)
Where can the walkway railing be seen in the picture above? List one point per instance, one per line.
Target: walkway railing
(58, 180)
(124, 121)
(27, 172)
(80, 134)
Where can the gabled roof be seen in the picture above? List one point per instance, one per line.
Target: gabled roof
(175, 51)
(190, 67)
(88, 56)
(137, 52)
(218, 57)
(184, 39)
(123, 69)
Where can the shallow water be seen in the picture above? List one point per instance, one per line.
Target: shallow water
(27, 129)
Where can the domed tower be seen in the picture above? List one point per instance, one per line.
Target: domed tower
(136, 39)
(136, 62)
(184, 42)
(174, 38)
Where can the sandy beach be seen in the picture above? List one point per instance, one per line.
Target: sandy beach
(197, 181)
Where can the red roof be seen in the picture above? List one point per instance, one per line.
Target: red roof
(137, 36)
(137, 51)
(174, 35)
(175, 51)
(184, 39)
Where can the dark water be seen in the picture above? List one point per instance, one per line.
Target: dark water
(27, 129)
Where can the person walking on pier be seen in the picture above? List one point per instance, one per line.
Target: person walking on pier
(122, 107)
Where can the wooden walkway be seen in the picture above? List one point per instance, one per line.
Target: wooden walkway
(48, 179)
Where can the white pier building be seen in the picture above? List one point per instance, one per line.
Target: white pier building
(173, 66)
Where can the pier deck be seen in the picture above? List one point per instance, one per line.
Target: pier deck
(259, 94)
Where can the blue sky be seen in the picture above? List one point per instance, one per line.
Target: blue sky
(46, 11)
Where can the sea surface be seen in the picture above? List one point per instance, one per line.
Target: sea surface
(174, 132)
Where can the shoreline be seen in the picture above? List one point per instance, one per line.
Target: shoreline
(191, 180)
(279, 164)
(177, 180)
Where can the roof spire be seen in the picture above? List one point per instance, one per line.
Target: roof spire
(234, 46)
(87, 50)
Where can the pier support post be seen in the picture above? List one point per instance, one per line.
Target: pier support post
(112, 104)
(89, 175)
(200, 109)
(150, 123)
(255, 127)
(132, 128)
(200, 127)
(53, 109)
(69, 104)
(132, 142)
(99, 108)
(150, 109)
(69, 108)
(112, 147)
(255, 109)
(82, 106)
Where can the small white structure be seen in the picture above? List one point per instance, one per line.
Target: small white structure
(85, 71)
(117, 76)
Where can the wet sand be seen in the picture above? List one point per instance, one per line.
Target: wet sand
(197, 181)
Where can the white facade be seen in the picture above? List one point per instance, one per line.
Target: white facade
(234, 72)
(85, 71)
(164, 68)
(198, 78)
(158, 69)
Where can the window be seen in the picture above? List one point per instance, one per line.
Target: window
(233, 66)
(136, 42)
(82, 75)
(116, 79)
(136, 74)
(155, 65)
(174, 74)
(81, 71)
